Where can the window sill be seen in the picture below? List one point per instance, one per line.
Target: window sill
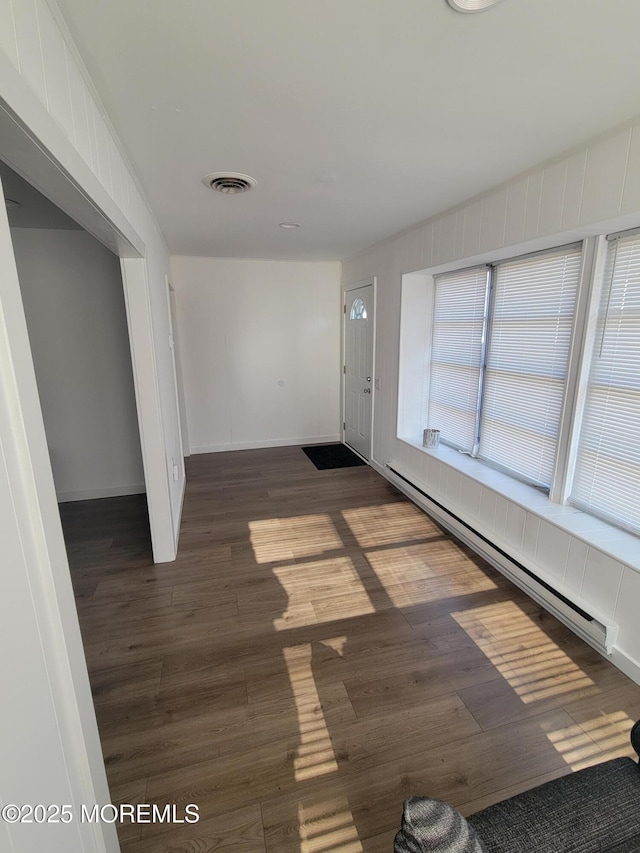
(618, 544)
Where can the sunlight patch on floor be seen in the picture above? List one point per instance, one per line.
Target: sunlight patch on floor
(332, 588)
(595, 740)
(533, 664)
(388, 524)
(336, 644)
(433, 571)
(314, 756)
(611, 733)
(328, 826)
(278, 539)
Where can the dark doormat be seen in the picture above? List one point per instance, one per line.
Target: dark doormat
(326, 456)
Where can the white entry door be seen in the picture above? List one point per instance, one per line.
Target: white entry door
(358, 319)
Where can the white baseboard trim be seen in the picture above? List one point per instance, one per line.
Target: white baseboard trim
(621, 659)
(93, 494)
(178, 519)
(257, 445)
(379, 468)
(630, 666)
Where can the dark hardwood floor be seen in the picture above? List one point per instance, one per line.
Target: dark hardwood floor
(319, 651)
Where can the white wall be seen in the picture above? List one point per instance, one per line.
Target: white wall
(593, 189)
(71, 289)
(51, 750)
(55, 132)
(45, 88)
(260, 351)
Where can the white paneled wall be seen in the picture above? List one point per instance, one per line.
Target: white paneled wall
(8, 32)
(593, 189)
(34, 39)
(49, 108)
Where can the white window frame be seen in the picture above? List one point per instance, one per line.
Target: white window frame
(486, 271)
(565, 442)
(598, 281)
(416, 323)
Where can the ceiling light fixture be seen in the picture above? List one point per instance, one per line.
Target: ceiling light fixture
(471, 5)
(289, 225)
(230, 183)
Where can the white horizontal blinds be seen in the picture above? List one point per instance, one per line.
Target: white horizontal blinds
(532, 318)
(607, 472)
(456, 354)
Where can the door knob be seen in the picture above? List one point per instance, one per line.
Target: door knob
(366, 390)
(368, 379)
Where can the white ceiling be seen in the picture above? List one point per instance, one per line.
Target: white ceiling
(358, 118)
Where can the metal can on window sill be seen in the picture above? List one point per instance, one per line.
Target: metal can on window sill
(431, 438)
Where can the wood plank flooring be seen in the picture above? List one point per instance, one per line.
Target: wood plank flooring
(319, 651)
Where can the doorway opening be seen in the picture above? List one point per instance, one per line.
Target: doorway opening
(72, 294)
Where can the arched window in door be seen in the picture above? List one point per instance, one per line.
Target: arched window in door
(358, 310)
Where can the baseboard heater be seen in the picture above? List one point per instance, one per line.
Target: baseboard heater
(600, 635)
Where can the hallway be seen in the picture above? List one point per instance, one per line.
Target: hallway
(319, 651)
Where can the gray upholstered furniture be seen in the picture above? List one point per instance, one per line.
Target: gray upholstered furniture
(596, 810)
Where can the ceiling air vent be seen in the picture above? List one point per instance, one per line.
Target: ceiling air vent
(471, 5)
(229, 182)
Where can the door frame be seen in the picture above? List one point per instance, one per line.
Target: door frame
(52, 645)
(66, 180)
(33, 144)
(172, 307)
(343, 350)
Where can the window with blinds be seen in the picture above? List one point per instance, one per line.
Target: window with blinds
(500, 347)
(457, 345)
(532, 315)
(607, 471)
